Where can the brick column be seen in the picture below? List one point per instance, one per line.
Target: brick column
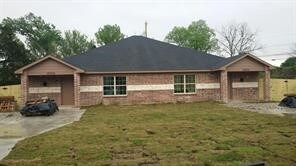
(266, 84)
(224, 86)
(77, 89)
(24, 87)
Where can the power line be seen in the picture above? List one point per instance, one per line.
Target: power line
(277, 58)
(278, 45)
(277, 35)
(278, 54)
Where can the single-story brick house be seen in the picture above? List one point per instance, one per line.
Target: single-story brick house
(143, 70)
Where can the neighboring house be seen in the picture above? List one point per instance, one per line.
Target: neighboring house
(142, 70)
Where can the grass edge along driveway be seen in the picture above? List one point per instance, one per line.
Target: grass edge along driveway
(205, 133)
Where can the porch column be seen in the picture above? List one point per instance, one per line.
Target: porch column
(224, 86)
(77, 89)
(266, 84)
(24, 87)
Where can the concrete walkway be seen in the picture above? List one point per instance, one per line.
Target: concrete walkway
(14, 127)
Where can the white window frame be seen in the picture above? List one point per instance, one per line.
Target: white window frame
(114, 85)
(184, 84)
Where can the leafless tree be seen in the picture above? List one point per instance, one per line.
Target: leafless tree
(237, 38)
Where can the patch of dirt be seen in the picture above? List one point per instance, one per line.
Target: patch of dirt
(135, 156)
(23, 162)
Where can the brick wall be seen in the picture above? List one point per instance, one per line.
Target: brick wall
(77, 89)
(55, 96)
(90, 79)
(209, 77)
(244, 86)
(24, 87)
(247, 76)
(245, 93)
(51, 81)
(36, 82)
(93, 96)
(90, 97)
(224, 86)
(167, 96)
(89, 88)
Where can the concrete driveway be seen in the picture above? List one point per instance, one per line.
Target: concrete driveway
(14, 127)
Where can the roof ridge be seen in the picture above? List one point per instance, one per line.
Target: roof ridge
(143, 53)
(147, 38)
(176, 46)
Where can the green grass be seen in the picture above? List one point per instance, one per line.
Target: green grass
(205, 133)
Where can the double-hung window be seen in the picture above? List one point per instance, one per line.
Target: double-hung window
(184, 83)
(114, 85)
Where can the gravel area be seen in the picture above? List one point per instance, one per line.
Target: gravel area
(265, 108)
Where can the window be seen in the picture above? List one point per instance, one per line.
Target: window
(114, 85)
(184, 84)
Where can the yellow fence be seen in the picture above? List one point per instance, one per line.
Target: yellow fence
(278, 88)
(11, 90)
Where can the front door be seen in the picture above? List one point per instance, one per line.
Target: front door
(67, 90)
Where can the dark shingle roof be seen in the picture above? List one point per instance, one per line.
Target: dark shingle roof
(227, 61)
(139, 53)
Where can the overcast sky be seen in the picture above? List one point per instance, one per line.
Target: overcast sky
(275, 21)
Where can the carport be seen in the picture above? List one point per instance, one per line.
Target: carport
(58, 87)
(240, 79)
(49, 77)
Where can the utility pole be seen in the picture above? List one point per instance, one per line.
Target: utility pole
(146, 28)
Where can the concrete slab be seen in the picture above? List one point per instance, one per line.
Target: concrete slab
(14, 127)
(6, 145)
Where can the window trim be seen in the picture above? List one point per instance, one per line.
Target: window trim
(184, 84)
(114, 85)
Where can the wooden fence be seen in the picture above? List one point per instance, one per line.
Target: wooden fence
(278, 88)
(11, 90)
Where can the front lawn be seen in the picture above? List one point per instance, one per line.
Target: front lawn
(166, 134)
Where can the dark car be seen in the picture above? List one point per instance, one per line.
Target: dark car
(289, 100)
(41, 107)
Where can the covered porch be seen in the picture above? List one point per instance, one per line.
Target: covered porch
(57, 87)
(240, 80)
(53, 78)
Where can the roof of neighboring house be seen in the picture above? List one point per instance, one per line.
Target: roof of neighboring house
(138, 53)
